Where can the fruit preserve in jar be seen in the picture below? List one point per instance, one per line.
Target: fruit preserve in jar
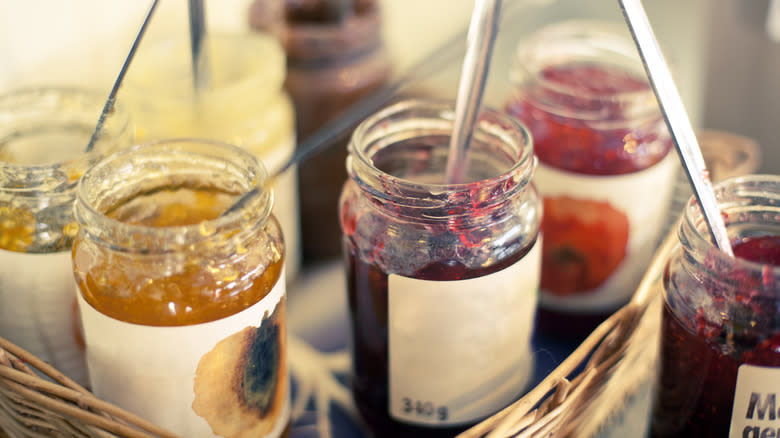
(43, 136)
(720, 333)
(179, 302)
(605, 168)
(442, 278)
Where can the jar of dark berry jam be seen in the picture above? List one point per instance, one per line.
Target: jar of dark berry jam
(442, 278)
(605, 170)
(720, 334)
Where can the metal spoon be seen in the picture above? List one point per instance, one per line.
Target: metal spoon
(201, 76)
(109, 105)
(437, 59)
(677, 120)
(481, 36)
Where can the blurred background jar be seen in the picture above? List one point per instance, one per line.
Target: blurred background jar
(180, 302)
(605, 167)
(720, 335)
(335, 57)
(244, 105)
(44, 133)
(442, 279)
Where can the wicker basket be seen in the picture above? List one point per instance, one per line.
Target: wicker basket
(36, 400)
(35, 406)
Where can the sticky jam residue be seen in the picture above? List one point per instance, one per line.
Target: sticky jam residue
(700, 362)
(177, 289)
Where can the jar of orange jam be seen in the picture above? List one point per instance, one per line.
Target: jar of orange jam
(43, 135)
(180, 302)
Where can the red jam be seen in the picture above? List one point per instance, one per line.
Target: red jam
(442, 279)
(593, 120)
(570, 138)
(699, 368)
(367, 287)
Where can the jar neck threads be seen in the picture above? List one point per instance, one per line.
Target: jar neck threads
(171, 165)
(43, 135)
(398, 157)
(542, 59)
(751, 207)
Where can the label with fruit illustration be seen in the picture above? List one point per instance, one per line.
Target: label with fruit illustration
(223, 378)
(600, 233)
(460, 350)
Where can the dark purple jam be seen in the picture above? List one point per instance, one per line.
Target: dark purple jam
(367, 288)
(699, 367)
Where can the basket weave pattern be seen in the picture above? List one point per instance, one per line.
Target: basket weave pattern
(34, 406)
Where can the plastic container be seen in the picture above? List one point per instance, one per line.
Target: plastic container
(184, 308)
(720, 333)
(442, 278)
(43, 136)
(605, 167)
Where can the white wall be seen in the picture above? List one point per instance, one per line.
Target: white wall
(743, 80)
(85, 41)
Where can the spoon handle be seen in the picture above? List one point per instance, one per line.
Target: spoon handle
(677, 120)
(109, 105)
(200, 71)
(481, 37)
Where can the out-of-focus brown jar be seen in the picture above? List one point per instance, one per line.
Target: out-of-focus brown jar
(335, 56)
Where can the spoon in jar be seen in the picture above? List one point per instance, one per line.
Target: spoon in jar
(437, 59)
(480, 41)
(109, 105)
(677, 120)
(200, 60)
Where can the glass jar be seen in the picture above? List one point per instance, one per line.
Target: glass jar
(605, 168)
(43, 136)
(442, 278)
(182, 304)
(244, 105)
(720, 332)
(335, 57)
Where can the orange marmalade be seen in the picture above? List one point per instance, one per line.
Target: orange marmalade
(192, 294)
(161, 254)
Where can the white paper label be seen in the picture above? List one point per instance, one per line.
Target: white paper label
(38, 309)
(192, 380)
(755, 413)
(460, 350)
(614, 222)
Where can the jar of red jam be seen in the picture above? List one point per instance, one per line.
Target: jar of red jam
(720, 333)
(442, 278)
(605, 168)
